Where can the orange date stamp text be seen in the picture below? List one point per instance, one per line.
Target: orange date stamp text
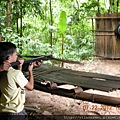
(95, 107)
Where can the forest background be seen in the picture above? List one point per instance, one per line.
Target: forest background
(58, 27)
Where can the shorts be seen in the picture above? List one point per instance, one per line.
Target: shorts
(14, 116)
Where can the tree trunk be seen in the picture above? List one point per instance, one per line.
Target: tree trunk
(9, 13)
(20, 18)
(51, 23)
(62, 47)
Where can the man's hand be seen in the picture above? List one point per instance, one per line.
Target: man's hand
(5, 66)
(30, 67)
(37, 63)
(21, 63)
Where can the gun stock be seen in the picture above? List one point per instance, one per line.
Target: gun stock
(27, 62)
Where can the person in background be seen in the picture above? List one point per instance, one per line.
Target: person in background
(13, 84)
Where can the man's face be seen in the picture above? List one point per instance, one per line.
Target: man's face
(13, 57)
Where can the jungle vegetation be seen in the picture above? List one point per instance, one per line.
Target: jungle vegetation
(62, 28)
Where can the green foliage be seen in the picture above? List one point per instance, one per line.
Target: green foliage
(73, 21)
(89, 7)
(2, 15)
(62, 22)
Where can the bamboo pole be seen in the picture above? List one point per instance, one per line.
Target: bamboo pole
(102, 99)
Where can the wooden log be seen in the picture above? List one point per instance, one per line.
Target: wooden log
(102, 99)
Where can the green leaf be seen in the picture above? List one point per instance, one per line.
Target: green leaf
(62, 22)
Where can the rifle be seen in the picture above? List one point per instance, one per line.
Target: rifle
(27, 62)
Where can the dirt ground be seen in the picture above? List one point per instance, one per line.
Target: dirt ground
(47, 104)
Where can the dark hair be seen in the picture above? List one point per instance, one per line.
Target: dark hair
(6, 49)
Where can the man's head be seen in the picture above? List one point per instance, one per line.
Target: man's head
(117, 31)
(7, 52)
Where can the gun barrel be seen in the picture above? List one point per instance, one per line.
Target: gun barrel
(15, 63)
(27, 62)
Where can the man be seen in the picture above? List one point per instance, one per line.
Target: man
(13, 84)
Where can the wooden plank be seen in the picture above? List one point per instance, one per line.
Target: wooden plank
(105, 37)
(44, 67)
(97, 37)
(92, 75)
(106, 43)
(110, 31)
(112, 17)
(108, 39)
(82, 79)
(116, 42)
(110, 58)
(78, 80)
(100, 39)
(84, 86)
(105, 34)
